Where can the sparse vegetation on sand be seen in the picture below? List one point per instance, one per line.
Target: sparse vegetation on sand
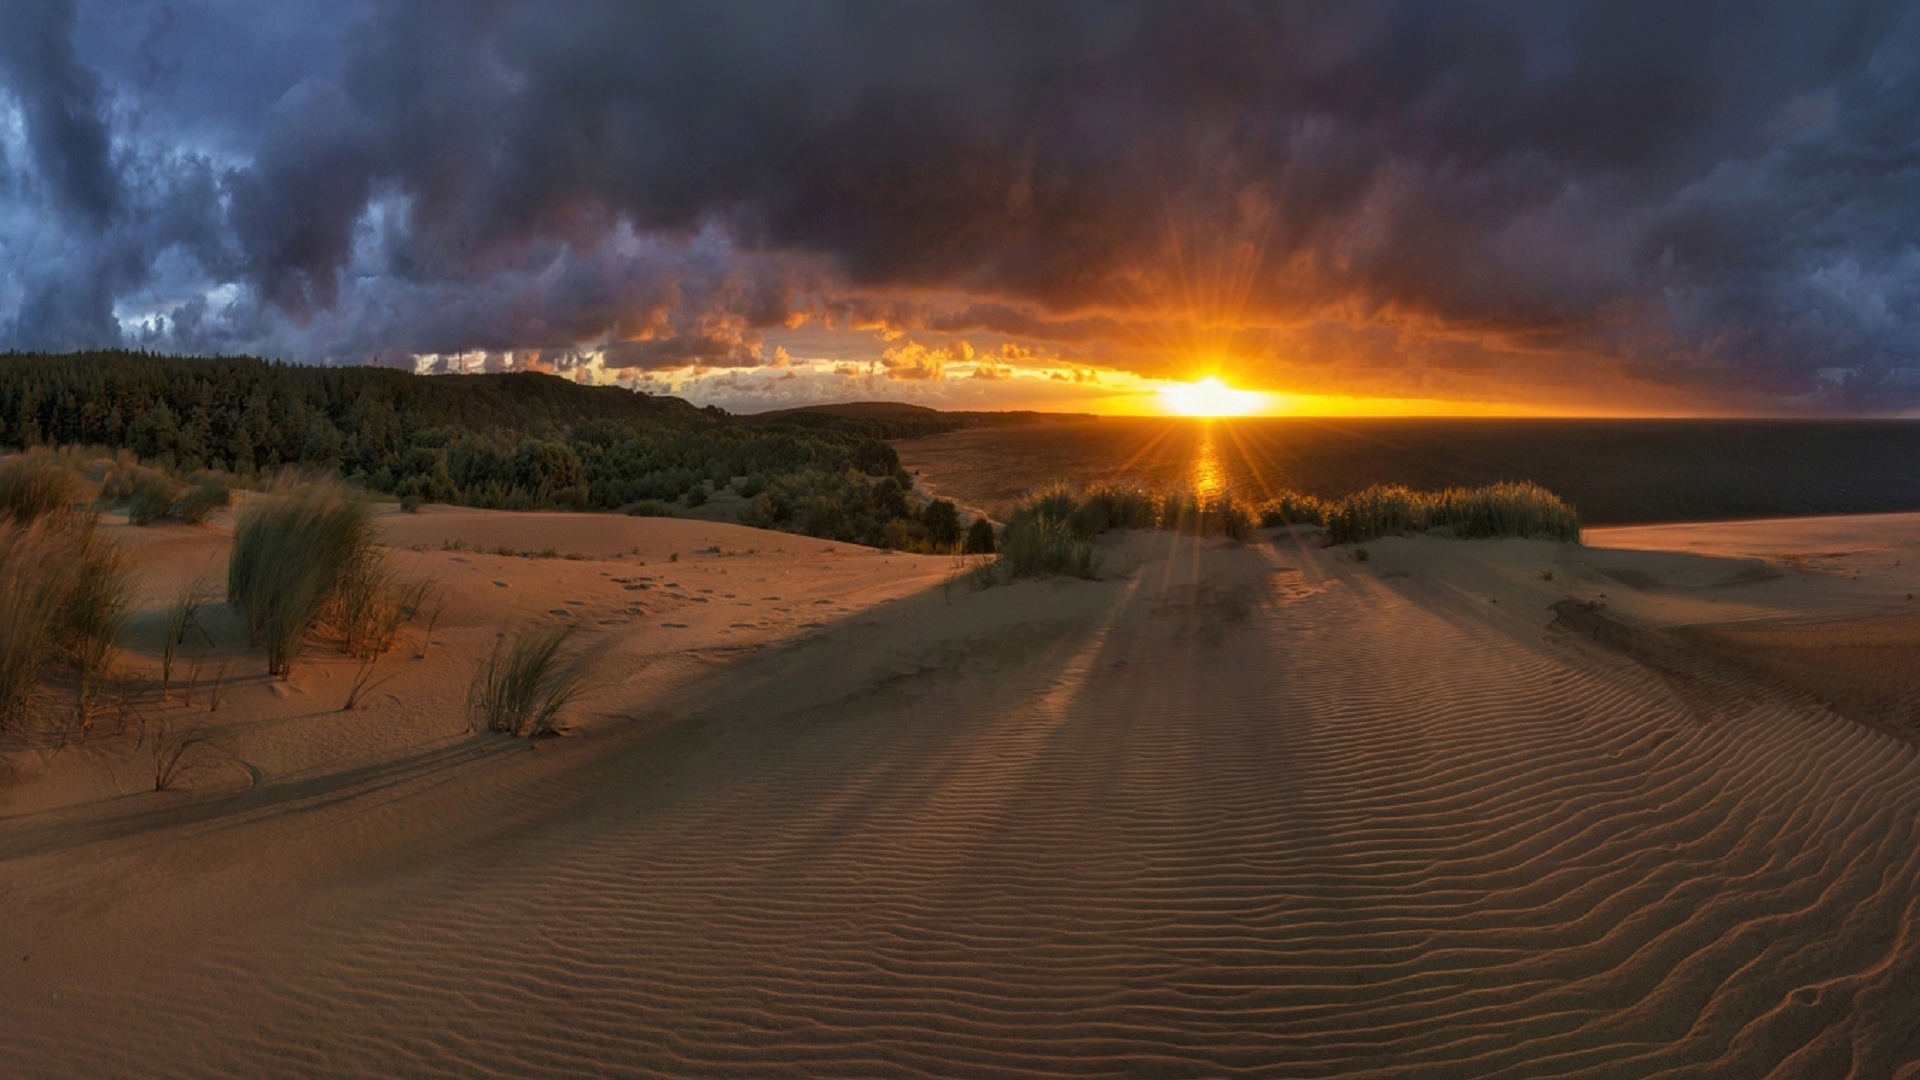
(150, 495)
(1050, 531)
(293, 554)
(525, 682)
(1509, 509)
(65, 589)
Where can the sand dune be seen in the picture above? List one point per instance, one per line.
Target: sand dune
(1252, 810)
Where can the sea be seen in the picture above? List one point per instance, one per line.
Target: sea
(1615, 472)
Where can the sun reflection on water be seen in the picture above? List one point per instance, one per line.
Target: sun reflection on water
(1209, 472)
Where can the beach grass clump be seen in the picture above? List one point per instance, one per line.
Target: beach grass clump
(293, 551)
(1207, 515)
(1115, 505)
(200, 500)
(1292, 508)
(1507, 509)
(1040, 546)
(1523, 509)
(150, 499)
(1086, 513)
(98, 601)
(34, 486)
(525, 682)
(32, 597)
(366, 608)
(150, 495)
(65, 594)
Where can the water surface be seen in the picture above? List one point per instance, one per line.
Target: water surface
(1613, 471)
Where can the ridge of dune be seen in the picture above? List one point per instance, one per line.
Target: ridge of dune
(1252, 810)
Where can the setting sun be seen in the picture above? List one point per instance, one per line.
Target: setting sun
(1210, 397)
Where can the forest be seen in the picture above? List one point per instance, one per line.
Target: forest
(511, 441)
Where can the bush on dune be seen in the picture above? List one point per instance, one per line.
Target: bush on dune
(980, 538)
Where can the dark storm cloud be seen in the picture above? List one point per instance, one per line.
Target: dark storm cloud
(61, 101)
(1717, 196)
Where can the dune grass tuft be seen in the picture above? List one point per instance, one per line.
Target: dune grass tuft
(1040, 546)
(525, 682)
(1506, 509)
(150, 495)
(35, 486)
(293, 551)
(1292, 508)
(65, 593)
(179, 752)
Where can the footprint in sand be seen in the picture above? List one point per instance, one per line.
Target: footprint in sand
(502, 584)
(674, 625)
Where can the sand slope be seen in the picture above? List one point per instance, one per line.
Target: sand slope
(1238, 810)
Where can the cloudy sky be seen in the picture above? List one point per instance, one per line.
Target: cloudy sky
(1611, 206)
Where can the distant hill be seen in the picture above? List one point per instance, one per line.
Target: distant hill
(899, 420)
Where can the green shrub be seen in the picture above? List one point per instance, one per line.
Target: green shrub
(941, 519)
(525, 682)
(650, 508)
(292, 552)
(980, 538)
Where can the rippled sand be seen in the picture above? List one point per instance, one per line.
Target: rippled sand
(1253, 810)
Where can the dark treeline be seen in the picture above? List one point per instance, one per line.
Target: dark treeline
(514, 441)
(898, 420)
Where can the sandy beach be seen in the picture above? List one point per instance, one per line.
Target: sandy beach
(1459, 809)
